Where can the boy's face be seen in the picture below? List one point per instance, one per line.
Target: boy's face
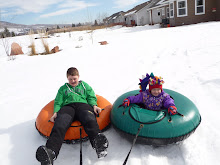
(155, 91)
(73, 80)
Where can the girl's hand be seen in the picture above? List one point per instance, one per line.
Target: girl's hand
(172, 110)
(52, 119)
(126, 102)
(97, 110)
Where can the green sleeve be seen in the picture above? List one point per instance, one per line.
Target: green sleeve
(58, 102)
(90, 95)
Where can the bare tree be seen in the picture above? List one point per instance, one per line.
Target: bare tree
(91, 30)
(101, 17)
(5, 43)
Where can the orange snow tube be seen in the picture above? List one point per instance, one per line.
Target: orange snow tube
(44, 126)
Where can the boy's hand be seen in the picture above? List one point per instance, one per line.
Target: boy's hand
(97, 110)
(52, 119)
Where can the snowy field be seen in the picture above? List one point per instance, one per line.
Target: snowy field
(187, 57)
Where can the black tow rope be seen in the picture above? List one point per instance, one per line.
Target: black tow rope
(170, 119)
(80, 130)
(139, 129)
(123, 109)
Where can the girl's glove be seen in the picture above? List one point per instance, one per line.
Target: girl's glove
(172, 110)
(126, 102)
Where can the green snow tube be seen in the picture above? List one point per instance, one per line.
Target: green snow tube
(158, 128)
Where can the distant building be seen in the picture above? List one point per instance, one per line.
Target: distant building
(172, 12)
(184, 12)
(116, 18)
(194, 11)
(137, 15)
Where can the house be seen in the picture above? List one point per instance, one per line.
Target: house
(158, 10)
(116, 18)
(218, 11)
(119, 18)
(184, 12)
(137, 15)
(172, 12)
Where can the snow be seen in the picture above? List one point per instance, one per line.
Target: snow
(187, 57)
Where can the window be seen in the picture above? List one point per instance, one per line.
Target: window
(199, 7)
(171, 10)
(168, 12)
(158, 13)
(181, 8)
(163, 11)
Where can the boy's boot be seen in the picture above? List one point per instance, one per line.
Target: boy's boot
(100, 144)
(45, 155)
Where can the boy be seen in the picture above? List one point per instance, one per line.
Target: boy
(75, 100)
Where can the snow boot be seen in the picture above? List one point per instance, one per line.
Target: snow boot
(45, 155)
(100, 144)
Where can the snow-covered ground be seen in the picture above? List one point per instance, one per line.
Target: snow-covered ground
(187, 57)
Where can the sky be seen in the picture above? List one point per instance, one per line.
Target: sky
(61, 11)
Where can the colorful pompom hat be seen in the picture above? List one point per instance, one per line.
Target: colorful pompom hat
(153, 81)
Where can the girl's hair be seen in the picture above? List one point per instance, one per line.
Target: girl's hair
(72, 72)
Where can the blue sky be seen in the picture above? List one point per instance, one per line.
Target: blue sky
(61, 11)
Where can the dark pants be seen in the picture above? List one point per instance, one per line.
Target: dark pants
(65, 116)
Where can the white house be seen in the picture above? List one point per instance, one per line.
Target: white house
(137, 15)
(158, 11)
(116, 18)
(119, 18)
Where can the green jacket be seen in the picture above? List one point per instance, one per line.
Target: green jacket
(67, 94)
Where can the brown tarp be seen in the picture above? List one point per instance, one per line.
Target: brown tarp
(16, 49)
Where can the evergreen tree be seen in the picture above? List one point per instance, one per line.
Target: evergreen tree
(6, 32)
(13, 34)
(2, 35)
(96, 23)
(58, 27)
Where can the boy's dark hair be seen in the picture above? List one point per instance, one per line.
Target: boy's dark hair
(72, 72)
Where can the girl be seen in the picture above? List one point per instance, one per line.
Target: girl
(153, 98)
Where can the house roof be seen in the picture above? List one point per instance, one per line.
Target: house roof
(137, 8)
(115, 15)
(163, 1)
(158, 3)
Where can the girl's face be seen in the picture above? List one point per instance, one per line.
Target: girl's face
(73, 80)
(155, 91)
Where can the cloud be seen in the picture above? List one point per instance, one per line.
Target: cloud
(68, 7)
(18, 7)
(126, 3)
(26, 6)
(60, 12)
(76, 4)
